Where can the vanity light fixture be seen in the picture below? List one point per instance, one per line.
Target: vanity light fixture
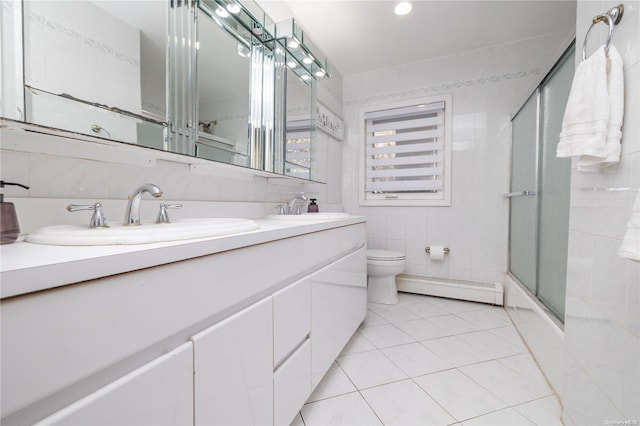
(222, 12)
(301, 50)
(293, 43)
(233, 8)
(403, 8)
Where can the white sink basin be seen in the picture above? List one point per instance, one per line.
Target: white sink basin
(309, 216)
(76, 235)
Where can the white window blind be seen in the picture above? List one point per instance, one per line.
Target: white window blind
(298, 150)
(406, 153)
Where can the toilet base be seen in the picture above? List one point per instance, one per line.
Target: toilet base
(382, 290)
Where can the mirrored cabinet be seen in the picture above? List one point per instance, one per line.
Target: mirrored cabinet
(213, 79)
(96, 68)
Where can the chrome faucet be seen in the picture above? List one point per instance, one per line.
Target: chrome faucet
(292, 202)
(132, 213)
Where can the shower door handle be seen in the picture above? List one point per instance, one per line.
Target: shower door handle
(518, 194)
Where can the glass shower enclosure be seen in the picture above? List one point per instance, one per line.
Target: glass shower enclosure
(539, 191)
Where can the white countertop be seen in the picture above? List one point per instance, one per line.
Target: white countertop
(26, 267)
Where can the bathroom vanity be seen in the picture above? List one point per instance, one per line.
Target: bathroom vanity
(226, 330)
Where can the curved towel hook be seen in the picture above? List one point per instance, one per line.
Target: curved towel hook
(612, 18)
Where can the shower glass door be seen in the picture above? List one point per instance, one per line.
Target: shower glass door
(539, 194)
(522, 217)
(554, 189)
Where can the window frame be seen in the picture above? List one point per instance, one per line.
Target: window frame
(440, 198)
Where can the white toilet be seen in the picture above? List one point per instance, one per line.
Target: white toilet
(382, 268)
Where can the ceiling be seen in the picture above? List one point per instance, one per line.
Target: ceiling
(364, 35)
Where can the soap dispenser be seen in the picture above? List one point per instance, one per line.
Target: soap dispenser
(9, 228)
(313, 207)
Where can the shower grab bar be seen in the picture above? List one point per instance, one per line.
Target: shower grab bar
(519, 194)
(611, 17)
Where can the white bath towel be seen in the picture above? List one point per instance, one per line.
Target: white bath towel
(631, 244)
(615, 88)
(586, 117)
(593, 116)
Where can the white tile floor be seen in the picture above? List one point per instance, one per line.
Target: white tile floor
(432, 361)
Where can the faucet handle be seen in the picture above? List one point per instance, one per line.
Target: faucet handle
(281, 209)
(163, 215)
(98, 219)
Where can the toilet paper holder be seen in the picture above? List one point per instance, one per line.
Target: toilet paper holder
(428, 250)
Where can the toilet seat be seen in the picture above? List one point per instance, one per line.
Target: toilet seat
(384, 255)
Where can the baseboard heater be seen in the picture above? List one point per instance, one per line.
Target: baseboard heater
(474, 291)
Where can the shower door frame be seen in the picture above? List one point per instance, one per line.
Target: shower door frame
(537, 92)
(536, 189)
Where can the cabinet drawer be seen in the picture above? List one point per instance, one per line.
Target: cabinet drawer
(159, 393)
(292, 385)
(291, 318)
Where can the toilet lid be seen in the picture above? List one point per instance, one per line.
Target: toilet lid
(373, 254)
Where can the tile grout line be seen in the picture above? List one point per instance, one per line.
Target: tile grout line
(533, 400)
(503, 337)
(556, 394)
(434, 399)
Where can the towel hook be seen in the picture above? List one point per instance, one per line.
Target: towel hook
(612, 17)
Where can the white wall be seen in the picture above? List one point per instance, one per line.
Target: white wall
(329, 93)
(602, 325)
(488, 85)
(79, 49)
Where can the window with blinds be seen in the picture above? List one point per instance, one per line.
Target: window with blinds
(298, 152)
(406, 154)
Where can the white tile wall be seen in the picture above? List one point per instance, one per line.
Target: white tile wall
(82, 50)
(488, 85)
(602, 341)
(231, 115)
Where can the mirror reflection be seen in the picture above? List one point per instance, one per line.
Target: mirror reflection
(299, 125)
(97, 68)
(101, 68)
(223, 95)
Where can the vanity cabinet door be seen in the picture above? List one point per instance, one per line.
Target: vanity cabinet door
(158, 393)
(291, 318)
(292, 385)
(338, 306)
(233, 369)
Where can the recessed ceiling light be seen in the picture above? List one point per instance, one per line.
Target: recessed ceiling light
(233, 8)
(304, 77)
(403, 8)
(308, 60)
(291, 64)
(293, 43)
(320, 73)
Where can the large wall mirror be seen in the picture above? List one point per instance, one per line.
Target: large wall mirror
(105, 68)
(224, 94)
(299, 124)
(97, 68)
